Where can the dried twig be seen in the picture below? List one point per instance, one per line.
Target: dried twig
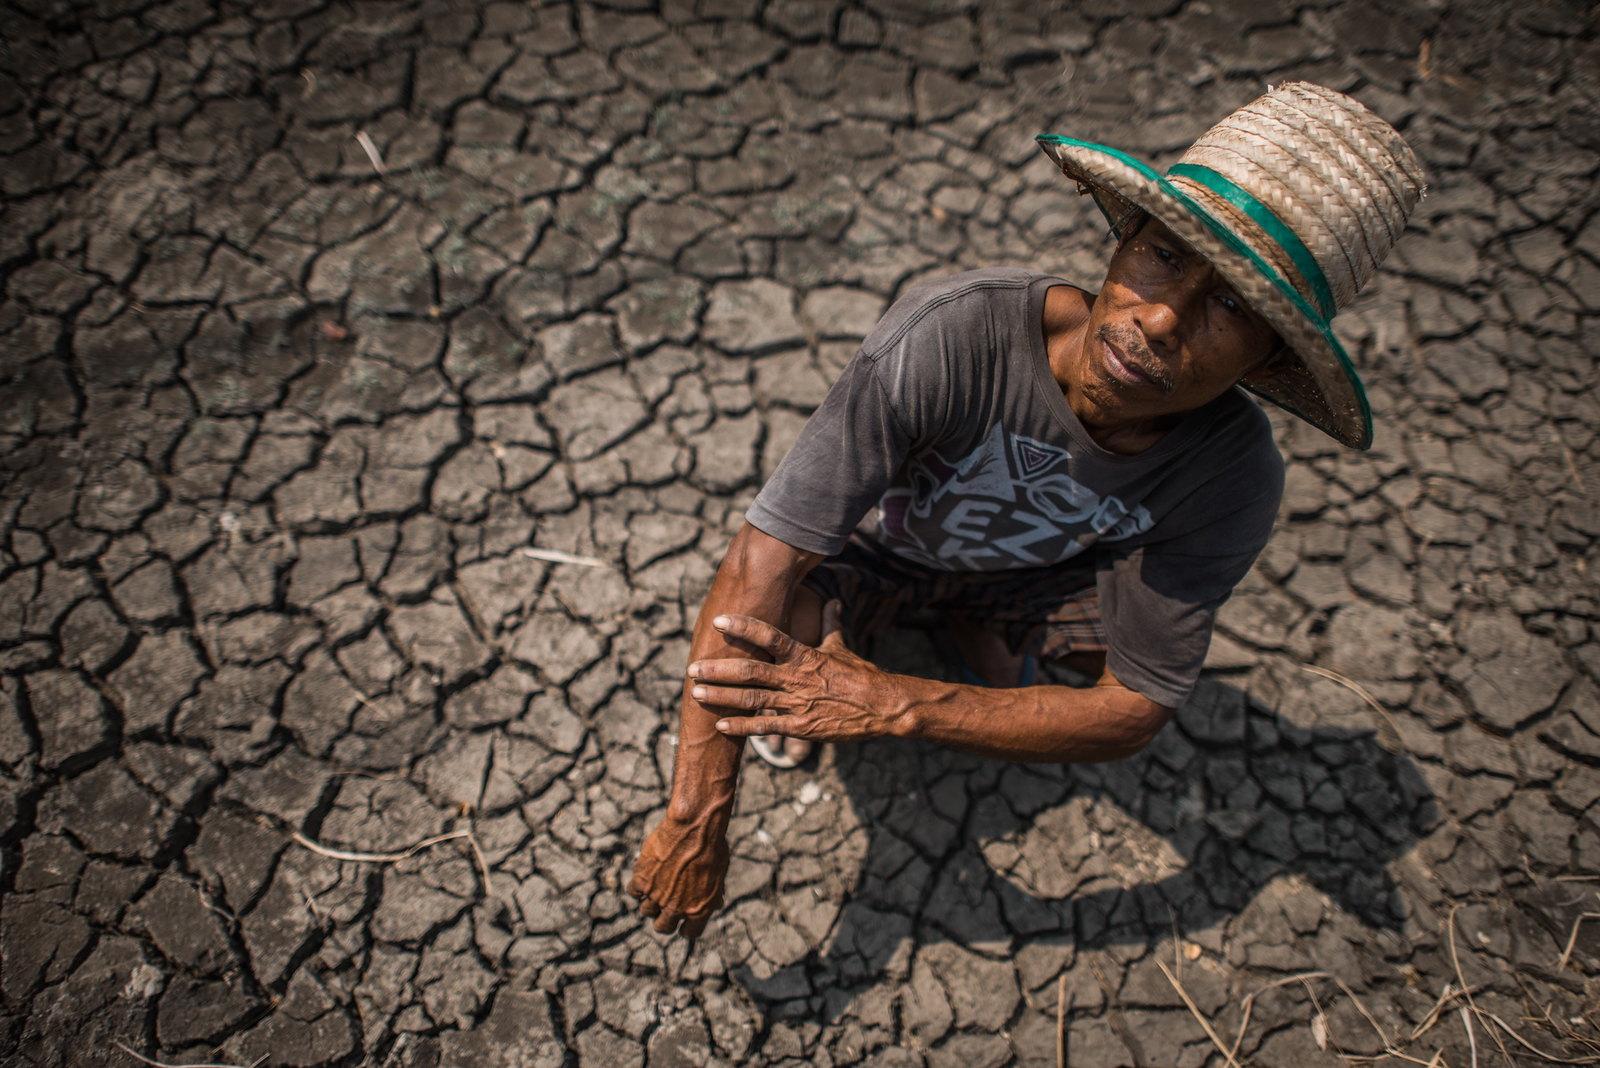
(483, 864)
(1572, 938)
(1536, 1050)
(218, 909)
(376, 858)
(380, 776)
(480, 863)
(311, 904)
(1385, 1056)
(1435, 1013)
(370, 149)
(1455, 959)
(1572, 465)
(1319, 1033)
(1248, 1005)
(1194, 1010)
(1362, 692)
(1061, 1021)
(1389, 1049)
(1472, 1042)
(1304, 978)
(556, 556)
(141, 1058)
(1362, 1009)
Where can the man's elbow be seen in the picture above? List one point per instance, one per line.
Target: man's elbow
(1136, 721)
(1145, 720)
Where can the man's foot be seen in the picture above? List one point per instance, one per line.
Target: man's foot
(986, 655)
(781, 751)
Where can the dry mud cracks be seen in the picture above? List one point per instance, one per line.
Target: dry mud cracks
(276, 426)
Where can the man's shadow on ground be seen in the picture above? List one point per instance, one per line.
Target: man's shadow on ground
(1228, 797)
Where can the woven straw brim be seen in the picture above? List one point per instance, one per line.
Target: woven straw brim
(1316, 381)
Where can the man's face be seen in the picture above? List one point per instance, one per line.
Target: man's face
(1167, 333)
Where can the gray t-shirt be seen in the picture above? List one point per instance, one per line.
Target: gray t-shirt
(947, 440)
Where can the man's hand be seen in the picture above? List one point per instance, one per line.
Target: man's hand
(826, 693)
(679, 874)
(830, 694)
(678, 878)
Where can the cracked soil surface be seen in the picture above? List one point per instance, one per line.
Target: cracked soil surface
(276, 427)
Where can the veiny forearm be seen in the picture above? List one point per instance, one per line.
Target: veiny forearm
(758, 577)
(1057, 724)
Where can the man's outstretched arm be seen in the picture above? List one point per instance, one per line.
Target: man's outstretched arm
(681, 867)
(829, 694)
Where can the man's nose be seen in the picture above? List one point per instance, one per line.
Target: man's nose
(1159, 321)
(1162, 318)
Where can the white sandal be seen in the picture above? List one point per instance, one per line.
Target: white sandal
(776, 757)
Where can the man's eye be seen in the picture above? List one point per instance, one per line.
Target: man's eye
(1231, 302)
(1162, 254)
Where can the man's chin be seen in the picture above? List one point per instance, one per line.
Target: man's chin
(1112, 398)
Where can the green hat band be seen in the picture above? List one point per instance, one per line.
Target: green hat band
(1273, 226)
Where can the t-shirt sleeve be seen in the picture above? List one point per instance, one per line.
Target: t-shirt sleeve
(845, 456)
(1159, 602)
(890, 400)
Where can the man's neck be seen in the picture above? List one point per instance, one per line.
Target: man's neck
(1069, 345)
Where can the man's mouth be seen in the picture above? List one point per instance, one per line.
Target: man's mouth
(1121, 367)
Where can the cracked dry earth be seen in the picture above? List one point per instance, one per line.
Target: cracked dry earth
(277, 428)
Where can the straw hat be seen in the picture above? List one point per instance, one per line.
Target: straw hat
(1295, 198)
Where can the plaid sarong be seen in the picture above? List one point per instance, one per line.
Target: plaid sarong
(1046, 611)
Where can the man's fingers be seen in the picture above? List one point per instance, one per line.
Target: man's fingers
(752, 725)
(639, 884)
(832, 616)
(746, 700)
(740, 671)
(667, 921)
(832, 624)
(759, 633)
(649, 907)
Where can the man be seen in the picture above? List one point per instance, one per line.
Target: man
(1044, 471)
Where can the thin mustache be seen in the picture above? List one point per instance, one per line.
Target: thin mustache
(1139, 356)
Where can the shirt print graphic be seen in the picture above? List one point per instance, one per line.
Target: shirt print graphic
(1008, 503)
